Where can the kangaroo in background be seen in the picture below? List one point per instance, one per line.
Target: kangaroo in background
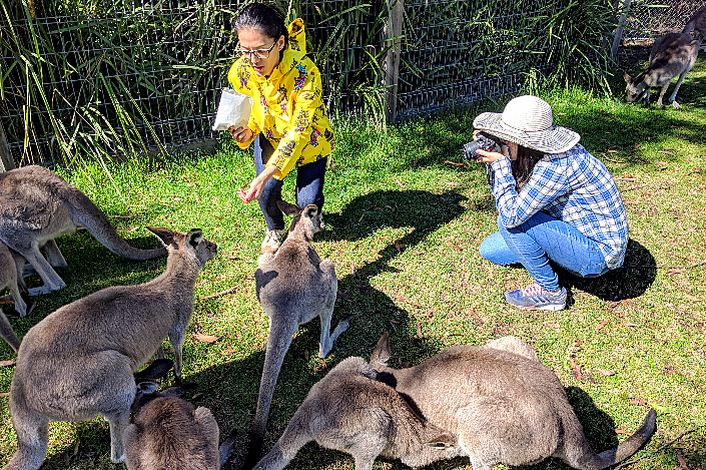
(170, 433)
(697, 23)
(352, 411)
(11, 267)
(37, 206)
(293, 286)
(78, 362)
(673, 54)
(504, 407)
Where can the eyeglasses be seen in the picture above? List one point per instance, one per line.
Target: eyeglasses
(258, 53)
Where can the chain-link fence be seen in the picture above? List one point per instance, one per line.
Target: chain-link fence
(648, 20)
(106, 77)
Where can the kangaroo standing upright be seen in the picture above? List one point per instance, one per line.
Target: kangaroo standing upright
(79, 361)
(672, 55)
(293, 286)
(37, 206)
(504, 405)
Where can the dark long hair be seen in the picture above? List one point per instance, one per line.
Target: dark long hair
(523, 166)
(269, 20)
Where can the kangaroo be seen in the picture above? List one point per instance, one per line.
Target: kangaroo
(37, 206)
(293, 286)
(11, 266)
(673, 54)
(351, 411)
(78, 362)
(504, 407)
(170, 433)
(697, 22)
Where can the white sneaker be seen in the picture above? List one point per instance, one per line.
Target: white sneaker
(272, 241)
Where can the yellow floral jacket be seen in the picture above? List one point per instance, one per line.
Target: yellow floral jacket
(288, 108)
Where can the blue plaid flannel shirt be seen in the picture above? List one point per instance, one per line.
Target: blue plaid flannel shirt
(572, 186)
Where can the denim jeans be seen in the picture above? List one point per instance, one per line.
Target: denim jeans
(309, 185)
(540, 239)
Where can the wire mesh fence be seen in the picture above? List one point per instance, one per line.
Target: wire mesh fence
(105, 78)
(648, 20)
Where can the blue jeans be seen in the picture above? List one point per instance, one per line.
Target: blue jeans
(540, 239)
(309, 186)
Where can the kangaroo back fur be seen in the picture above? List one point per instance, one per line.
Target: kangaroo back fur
(79, 361)
(351, 411)
(672, 55)
(36, 206)
(504, 407)
(293, 286)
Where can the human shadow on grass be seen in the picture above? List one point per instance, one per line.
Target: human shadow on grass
(637, 274)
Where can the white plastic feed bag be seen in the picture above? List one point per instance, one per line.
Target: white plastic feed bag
(233, 110)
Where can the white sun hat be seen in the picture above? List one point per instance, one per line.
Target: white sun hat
(527, 120)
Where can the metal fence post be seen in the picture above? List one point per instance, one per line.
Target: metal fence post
(6, 160)
(393, 41)
(621, 26)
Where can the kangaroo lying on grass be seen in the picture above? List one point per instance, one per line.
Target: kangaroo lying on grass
(673, 54)
(352, 411)
(78, 362)
(504, 407)
(170, 433)
(293, 286)
(11, 265)
(37, 206)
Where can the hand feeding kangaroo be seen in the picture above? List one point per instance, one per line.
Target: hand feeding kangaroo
(78, 362)
(293, 286)
(170, 433)
(673, 54)
(504, 405)
(352, 411)
(11, 266)
(37, 206)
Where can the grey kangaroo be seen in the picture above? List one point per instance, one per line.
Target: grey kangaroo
(503, 404)
(11, 267)
(293, 286)
(37, 206)
(697, 23)
(673, 54)
(78, 362)
(352, 411)
(170, 433)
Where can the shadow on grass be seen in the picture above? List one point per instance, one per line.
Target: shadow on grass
(637, 274)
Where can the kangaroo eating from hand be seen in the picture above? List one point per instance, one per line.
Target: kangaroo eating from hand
(673, 54)
(504, 405)
(293, 286)
(352, 411)
(37, 206)
(79, 361)
(170, 433)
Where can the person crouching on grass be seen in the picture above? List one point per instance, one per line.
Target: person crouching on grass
(288, 122)
(555, 202)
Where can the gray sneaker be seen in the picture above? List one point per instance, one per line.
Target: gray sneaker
(272, 241)
(536, 297)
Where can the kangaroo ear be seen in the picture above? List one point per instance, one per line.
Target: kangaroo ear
(626, 76)
(287, 208)
(147, 387)
(154, 371)
(443, 441)
(194, 237)
(310, 211)
(166, 235)
(381, 354)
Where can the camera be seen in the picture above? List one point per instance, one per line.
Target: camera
(483, 142)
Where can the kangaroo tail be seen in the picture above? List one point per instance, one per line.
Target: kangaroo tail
(32, 434)
(86, 214)
(285, 449)
(8, 334)
(277, 345)
(632, 444)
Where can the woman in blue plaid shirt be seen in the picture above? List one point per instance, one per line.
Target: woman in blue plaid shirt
(555, 202)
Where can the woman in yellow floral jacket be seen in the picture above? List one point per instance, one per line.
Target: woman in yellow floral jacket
(288, 122)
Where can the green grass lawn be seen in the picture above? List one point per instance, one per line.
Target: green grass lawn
(405, 217)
